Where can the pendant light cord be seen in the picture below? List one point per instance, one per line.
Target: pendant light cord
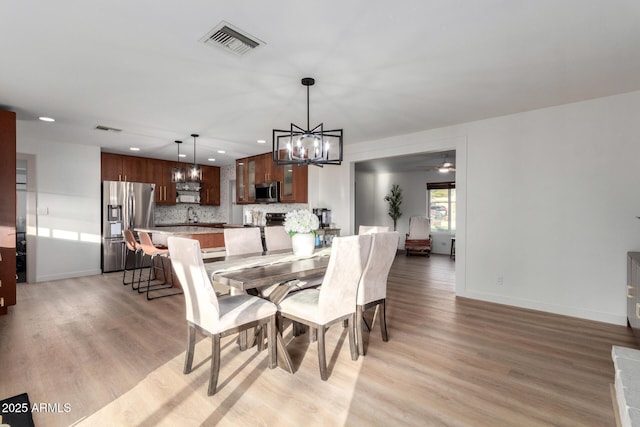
(194, 135)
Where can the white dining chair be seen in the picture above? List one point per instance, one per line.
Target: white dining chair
(335, 300)
(276, 238)
(213, 317)
(372, 289)
(369, 229)
(242, 241)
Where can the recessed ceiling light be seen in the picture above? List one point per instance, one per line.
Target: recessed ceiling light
(221, 151)
(46, 119)
(182, 155)
(262, 141)
(134, 149)
(212, 160)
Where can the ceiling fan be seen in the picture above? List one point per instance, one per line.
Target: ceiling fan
(446, 166)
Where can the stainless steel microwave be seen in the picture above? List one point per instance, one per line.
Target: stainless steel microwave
(268, 192)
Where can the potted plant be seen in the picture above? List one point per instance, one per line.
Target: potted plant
(394, 199)
(301, 226)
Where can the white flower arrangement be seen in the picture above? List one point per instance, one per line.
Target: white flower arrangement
(301, 221)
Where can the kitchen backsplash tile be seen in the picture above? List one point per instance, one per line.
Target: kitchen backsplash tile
(178, 214)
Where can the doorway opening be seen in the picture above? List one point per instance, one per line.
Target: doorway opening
(26, 218)
(21, 220)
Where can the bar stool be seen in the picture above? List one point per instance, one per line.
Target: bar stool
(150, 250)
(131, 247)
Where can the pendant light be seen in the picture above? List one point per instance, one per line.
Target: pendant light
(177, 173)
(195, 172)
(307, 146)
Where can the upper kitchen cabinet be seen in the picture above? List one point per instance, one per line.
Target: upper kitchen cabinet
(266, 169)
(116, 167)
(260, 169)
(210, 190)
(246, 180)
(7, 210)
(161, 176)
(241, 184)
(295, 183)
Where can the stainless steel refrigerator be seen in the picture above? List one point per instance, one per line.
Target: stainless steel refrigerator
(125, 205)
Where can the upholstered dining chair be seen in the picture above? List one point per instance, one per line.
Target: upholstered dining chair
(335, 300)
(368, 229)
(132, 248)
(213, 317)
(372, 289)
(276, 238)
(241, 241)
(152, 251)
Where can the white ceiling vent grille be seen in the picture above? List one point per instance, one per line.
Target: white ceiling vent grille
(108, 129)
(231, 39)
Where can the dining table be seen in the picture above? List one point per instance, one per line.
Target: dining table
(248, 273)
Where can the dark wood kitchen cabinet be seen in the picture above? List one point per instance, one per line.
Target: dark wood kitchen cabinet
(210, 190)
(295, 184)
(266, 169)
(7, 210)
(116, 167)
(293, 179)
(246, 180)
(161, 177)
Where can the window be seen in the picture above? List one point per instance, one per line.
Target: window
(441, 206)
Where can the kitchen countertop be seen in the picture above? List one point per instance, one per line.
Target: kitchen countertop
(181, 229)
(193, 224)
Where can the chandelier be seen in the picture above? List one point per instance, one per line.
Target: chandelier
(307, 146)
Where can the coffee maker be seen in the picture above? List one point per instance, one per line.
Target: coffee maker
(324, 217)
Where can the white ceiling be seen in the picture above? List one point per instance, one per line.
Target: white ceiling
(381, 68)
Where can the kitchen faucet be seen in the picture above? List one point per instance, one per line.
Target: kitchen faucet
(191, 210)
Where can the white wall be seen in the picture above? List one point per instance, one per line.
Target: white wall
(67, 243)
(546, 199)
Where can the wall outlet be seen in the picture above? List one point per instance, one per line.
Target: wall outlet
(43, 211)
(500, 280)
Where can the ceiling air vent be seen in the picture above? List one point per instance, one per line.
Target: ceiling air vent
(226, 36)
(108, 129)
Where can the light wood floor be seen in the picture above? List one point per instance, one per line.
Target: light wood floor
(116, 359)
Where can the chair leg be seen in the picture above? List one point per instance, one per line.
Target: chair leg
(322, 357)
(133, 287)
(191, 344)
(352, 338)
(124, 271)
(260, 337)
(215, 364)
(383, 320)
(133, 270)
(164, 284)
(359, 321)
(271, 342)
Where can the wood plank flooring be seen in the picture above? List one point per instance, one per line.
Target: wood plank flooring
(116, 359)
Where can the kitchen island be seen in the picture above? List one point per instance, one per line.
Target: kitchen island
(211, 239)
